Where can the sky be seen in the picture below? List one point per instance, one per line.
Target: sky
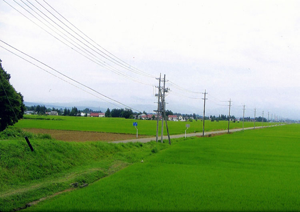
(243, 51)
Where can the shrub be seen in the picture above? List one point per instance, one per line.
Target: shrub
(154, 150)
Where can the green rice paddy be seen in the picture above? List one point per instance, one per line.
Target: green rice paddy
(121, 125)
(256, 170)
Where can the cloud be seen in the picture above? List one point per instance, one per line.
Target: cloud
(244, 50)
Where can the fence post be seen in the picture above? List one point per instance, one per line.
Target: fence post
(29, 144)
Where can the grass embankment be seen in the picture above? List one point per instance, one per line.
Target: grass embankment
(120, 125)
(26, 176)
(255, 170)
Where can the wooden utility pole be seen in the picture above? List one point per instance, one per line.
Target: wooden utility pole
(229, 114)
(204, 113)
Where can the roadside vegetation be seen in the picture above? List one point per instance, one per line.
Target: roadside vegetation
(255, 170)
(26, 176)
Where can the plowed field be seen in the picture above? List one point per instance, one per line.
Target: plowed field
(82, 136)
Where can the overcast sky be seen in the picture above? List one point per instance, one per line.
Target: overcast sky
(246, 51)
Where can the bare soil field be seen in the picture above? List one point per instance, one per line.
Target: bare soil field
(82, 136)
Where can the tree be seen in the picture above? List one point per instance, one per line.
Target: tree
(127, 113)
(11, 103)
(117, 112)
(74, 111)
(107, 113)
(169, 112)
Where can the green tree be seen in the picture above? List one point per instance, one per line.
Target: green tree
(107, 113)
(74, 111)
(11, 103)
(169, 112)
(127, 113)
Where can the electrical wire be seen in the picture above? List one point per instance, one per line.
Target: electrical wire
(101, 53)
(103, 49)
(181, 95)
(87, 87)
(71, 36)
(183, 89)
(88, 54)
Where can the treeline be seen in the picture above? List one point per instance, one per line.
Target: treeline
(232, 118)
(42, 110)
(127, 113)
(39, 109)
(222, 118)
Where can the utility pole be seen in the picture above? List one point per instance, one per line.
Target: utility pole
(254, 116)
(262, 119)
(229, 114)
(164, 110)
(204, 113)
(243, 115)
(268, 119)
(158, 106)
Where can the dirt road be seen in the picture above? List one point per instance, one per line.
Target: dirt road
(144, 140)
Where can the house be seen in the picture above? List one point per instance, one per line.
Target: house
(94, 114)
(53, 113)
(173, 117)
(149, 116)
(142, 116)
(30, 112)
(97, 114)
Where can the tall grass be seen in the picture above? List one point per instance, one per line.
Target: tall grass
(21, 169)
(245, 171)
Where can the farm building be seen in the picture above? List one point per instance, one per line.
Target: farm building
(52, 113)
(97, 114)
(173, 117)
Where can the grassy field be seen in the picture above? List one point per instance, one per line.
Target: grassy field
(120, 125)
(26, 176)
(255, 170)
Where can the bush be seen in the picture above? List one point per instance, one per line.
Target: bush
(14, 132)
(154, 150)
(44, 136)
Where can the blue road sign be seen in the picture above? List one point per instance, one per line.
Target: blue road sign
(135, 124)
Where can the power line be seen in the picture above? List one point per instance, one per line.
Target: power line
(175, 93)
(183, 89)
(104, 51)
(89, 88)
(87, 54)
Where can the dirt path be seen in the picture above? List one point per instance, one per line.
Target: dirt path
(82, 136)
(144, 140)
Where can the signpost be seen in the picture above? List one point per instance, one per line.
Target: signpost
(137, 131)
(187, 127)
